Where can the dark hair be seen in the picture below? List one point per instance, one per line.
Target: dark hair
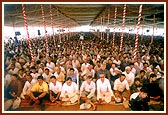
(13, 59)
(136, 79)
(29, 75)
(145, 63)
(40, 77)
(89, 77)
(121, 75)
(131, 64)
(98, 61)
(46, 69)
(21, 69)
(38, 62)
(152, 75)
(142, 71)
(72, 69)
(16, 75)
(68, 78)
(33, 67)
(53, 77)
(144, 89)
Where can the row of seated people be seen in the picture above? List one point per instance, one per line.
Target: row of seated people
(90, 91)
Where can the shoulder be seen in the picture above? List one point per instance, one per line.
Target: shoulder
(134, 95)
(59, 83)
(44, 83)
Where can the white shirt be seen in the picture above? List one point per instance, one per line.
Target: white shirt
(134, 95)
(84, 66)
(139, 65)
(103, 87)
(47, 77)
(129, 77)
(28, 85)
(13, 71)
(55, 88)
(133, 70)
(88, 87)
(51, 66)
(88, 72)
(113, 71)
(118, 62)
(120, 86)
(17, 65)
(34, 75)
(69, 90)
(75, 63)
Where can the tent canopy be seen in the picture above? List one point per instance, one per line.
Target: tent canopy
(73, 15)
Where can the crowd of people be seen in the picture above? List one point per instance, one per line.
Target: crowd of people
(88, 72)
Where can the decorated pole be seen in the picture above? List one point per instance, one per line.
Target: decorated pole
(138, 26)
(26, 25)
(123, 27)
(52, 25)
(59, 35)
(108, 25)
(44, 22)
(115, 15)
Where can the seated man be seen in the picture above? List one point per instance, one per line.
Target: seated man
(139, 100)
(69, 91)
(46, 75)
(154, 90)
(136, 86)
(104, 91)
(87, 91)
(129, 75)
(60, 76)
(121, 88)
(27, 86)
(54, 89)
(13, 91)
(38, 92)
(72, 75)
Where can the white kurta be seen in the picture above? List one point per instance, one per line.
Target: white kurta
(34, 75)
(27, 87)
(139, 65)
(71, 91)
(104, 90)
(51, 67)
(84, 66)
(47, 77)
(55, 88)
(130, 78)
(113, 71)
(89, 88)
(120, 86)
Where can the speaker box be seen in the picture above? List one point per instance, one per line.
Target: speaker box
(38, 32)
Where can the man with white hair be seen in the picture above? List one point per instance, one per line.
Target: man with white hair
(103, 70)
(88, 71)
(129, 75)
